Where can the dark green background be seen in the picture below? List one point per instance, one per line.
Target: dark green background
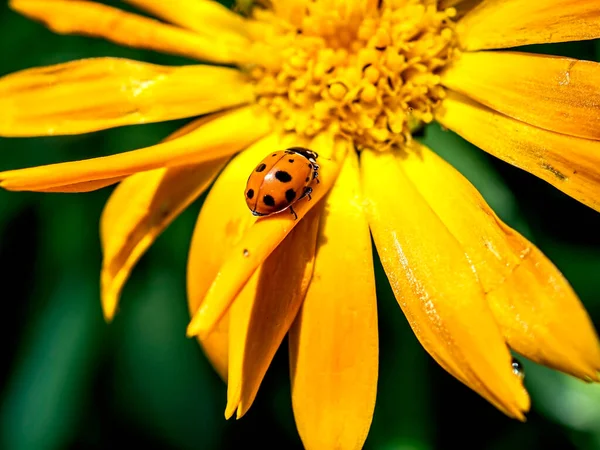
(70, 381)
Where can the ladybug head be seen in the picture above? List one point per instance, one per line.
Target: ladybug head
(308, 154)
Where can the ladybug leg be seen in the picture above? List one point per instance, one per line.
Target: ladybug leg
(294, 213)
(307, 191)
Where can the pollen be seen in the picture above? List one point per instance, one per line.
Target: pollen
(369, 72)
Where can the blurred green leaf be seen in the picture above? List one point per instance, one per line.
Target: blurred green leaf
(47, 392)
(568, 401)
(281, 400)
(161, 381)
(160, 389)
(10, 205)
(71, 231)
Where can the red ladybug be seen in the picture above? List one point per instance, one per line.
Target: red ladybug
(281, 179)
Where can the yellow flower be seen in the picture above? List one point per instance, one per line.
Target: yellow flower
(350, 80)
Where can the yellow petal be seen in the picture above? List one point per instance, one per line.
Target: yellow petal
(551, 92)
(215, 137)
(138, 210)
(95, 94)
(97, 20)
(569, 163)
(436, 287)
(205, 17)
(264, 310)
(552, 326)
(87, 186)
(258, 243)
(291, 11)
(333, 342)
(511, 23)
(539, 314)
(223, 220)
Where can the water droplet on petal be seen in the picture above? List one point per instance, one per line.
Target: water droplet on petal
(518, 369)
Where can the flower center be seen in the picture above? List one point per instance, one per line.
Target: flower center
(371, 74)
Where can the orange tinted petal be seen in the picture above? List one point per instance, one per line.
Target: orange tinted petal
(436, 287)
(333, 342)
(216, 347)
(569, 163)
(141, 207)
(539, 314)
(218, 136)
(95, 94)
(263, 312)
(511, 23)
(97, 20)
(86, 186)
(551, 92)
(258, 243)
(223, 220)
(443, 4)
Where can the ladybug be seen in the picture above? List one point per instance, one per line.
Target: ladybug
(281, 179)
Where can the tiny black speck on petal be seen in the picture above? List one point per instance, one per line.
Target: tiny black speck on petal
(290, 195)
(250, 193)
(261, 167)
(283, 176)
(269, 200)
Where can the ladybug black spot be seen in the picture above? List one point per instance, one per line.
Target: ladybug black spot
(274, 154)
(250, 193)
(310, 165)
(269, 200)
(291, 160)
(290, 195)
(307, 179)
(283, 176)
(261, 167)
(290, 152)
